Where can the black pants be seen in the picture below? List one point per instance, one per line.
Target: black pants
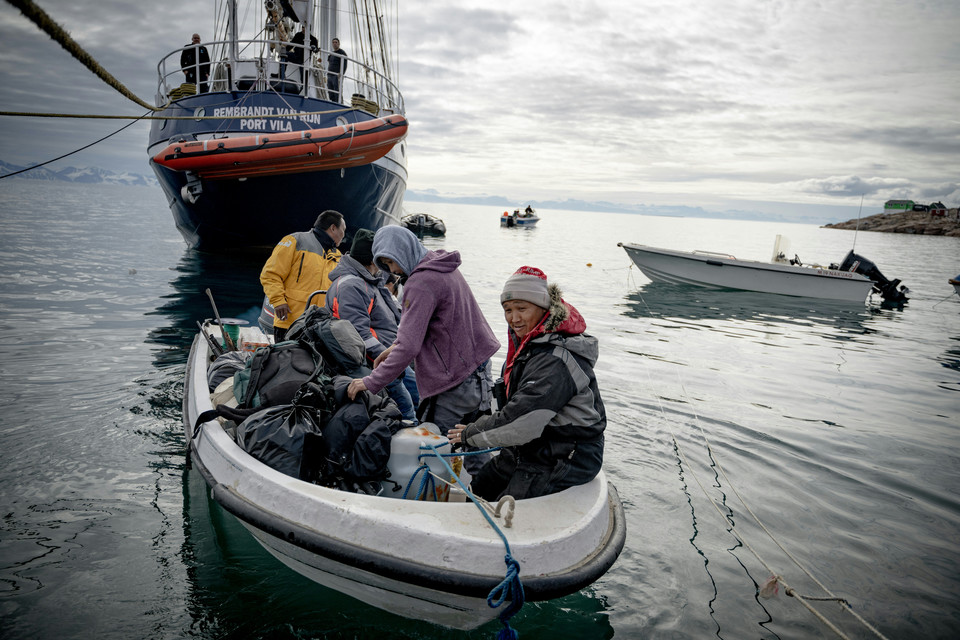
(333, 86)
(553, 467)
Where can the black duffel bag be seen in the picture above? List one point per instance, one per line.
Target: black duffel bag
(274, 374)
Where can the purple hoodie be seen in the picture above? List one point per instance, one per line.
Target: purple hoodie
(442, 329)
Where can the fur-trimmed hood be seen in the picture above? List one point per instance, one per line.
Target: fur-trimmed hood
(562, 317)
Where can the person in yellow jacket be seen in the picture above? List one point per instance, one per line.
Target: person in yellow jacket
(299, 265)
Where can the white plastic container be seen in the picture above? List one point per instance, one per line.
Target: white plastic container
(252, 338)
(405, 463)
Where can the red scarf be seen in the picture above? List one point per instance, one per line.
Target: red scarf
(515, 346)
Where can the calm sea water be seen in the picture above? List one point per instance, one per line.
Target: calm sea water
(836, 425)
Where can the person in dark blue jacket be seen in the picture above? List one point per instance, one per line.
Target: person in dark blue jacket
(195, 62)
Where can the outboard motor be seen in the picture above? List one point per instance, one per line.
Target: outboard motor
(886, 288)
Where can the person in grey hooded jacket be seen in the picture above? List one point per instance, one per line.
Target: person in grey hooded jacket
(358, 294)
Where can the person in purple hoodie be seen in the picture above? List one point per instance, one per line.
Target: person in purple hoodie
(442, 331)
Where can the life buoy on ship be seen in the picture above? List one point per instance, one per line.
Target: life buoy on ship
(336, 147)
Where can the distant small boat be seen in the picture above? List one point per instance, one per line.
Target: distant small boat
(852, 281)
(526, 218)
(424, 224)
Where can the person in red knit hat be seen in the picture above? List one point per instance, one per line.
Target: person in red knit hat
(550, 422)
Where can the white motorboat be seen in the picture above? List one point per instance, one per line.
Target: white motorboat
(429, 560)
(852, 281)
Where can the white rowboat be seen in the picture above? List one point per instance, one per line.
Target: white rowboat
(434, 561)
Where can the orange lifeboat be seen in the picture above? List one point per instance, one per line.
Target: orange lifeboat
(292, 152)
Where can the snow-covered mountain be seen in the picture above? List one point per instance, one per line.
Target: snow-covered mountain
(86, 175)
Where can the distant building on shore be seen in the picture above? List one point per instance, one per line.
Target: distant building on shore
(897, 206)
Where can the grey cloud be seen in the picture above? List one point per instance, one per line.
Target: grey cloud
(845, 186)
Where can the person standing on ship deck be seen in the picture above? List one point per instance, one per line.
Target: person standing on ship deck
(194, 61)
(336, 67)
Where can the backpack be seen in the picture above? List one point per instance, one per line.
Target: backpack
(334, 340)
(323, 437)
(274, 374)
(225, 366)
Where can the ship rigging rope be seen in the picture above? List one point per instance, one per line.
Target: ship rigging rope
(37, 166)
(48, 25)
(790, 591)
(31, 114)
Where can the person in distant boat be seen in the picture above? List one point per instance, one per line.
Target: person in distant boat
(550, 420)
(528, 210)
(336, 67)
(299, 265)
(195, 62)
(442, 331)
(296, 53)
(358, 293)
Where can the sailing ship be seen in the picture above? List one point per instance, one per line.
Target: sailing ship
(261, 133)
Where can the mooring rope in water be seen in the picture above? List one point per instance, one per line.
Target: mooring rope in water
(510, 588)
(831, 596)
(788, 590)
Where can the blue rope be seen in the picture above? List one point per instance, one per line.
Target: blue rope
(427, 478)
(510, 588)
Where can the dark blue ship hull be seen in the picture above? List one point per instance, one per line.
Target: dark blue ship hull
(220, 215)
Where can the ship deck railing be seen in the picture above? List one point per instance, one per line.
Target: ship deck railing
(361, 86)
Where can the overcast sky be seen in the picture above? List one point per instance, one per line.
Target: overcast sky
(761, 105)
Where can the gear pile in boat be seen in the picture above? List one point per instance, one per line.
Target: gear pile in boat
(287, 406)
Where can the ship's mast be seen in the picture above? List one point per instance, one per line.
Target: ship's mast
(329, 14)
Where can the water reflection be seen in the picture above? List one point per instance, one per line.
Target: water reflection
(709, 306)
(234, 281)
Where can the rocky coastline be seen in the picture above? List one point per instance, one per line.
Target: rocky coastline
(915, 222)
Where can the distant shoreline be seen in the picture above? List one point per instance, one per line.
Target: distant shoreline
(913, 222)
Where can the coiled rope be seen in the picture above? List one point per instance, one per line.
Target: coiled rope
(775, 578)
(510, 588)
